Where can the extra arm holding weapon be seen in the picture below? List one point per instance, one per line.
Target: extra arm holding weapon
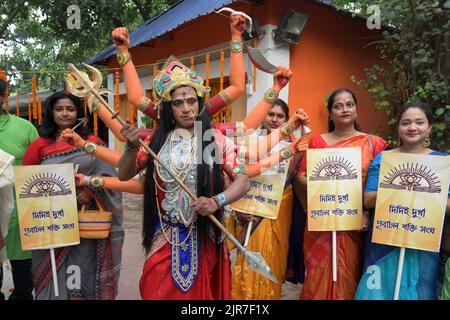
(135, 92)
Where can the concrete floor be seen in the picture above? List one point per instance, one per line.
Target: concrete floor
(133, 256)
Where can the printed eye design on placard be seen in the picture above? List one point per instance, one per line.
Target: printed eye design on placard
(45, 185)
(411, 177)
(333, 168)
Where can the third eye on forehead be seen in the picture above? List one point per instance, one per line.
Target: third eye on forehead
(183, 92)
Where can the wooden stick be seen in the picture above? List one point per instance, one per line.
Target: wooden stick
(166, 167)
(399, 273)
(247, 236)
(334, 244)
(55, 275)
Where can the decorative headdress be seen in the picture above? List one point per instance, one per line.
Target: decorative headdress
(174, 74)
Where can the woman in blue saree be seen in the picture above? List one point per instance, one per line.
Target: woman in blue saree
(420, 269)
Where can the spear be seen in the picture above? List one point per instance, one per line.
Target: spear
(92, 89)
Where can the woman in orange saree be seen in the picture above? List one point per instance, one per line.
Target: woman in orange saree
(343, 133)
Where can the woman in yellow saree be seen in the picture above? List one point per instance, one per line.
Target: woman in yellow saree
(269, 237)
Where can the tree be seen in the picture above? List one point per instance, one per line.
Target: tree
(414, 60)
(36, 35)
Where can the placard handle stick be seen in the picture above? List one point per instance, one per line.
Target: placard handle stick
(55, 275)
(399, 273)
(247, 235)
(333, 236)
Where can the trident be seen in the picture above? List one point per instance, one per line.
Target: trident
(92, 90)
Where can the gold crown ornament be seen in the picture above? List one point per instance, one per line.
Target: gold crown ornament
(174, 74)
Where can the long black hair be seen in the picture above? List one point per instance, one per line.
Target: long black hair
(49, 128)
(330, 103)
(2, 87)
(206, 187)
(2, 92)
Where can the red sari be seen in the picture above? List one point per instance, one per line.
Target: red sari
(213, 278)
(318, 284)
(213, 281)
(99, 260)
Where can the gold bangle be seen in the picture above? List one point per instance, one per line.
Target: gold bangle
(123, 57)
(286, 129)
(236, 46)
(96, 182)
(223, 94)
(90, 147)
(144, 103)
(270, 96)
(285, 153)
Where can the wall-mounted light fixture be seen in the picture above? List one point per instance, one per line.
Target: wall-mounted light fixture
(291, 26)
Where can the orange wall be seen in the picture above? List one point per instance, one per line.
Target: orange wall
(332, 49)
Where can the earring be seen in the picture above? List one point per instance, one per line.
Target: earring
(427, 142)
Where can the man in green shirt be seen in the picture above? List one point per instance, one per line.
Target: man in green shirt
(16, 134)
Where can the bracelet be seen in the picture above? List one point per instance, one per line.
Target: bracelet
(236, 46)
(217, 202)
(239, 169)
(221, 199)
(123, 57)
(270, 96)
(96, 105)
(225, 97)
(131, 149)
(86, 181)
(286, 129)
(96, 182)
(144, 103)
(285, 153)
(90, 147)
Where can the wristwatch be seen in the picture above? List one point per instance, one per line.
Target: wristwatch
(123, 57)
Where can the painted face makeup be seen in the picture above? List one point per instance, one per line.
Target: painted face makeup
(184, 106)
